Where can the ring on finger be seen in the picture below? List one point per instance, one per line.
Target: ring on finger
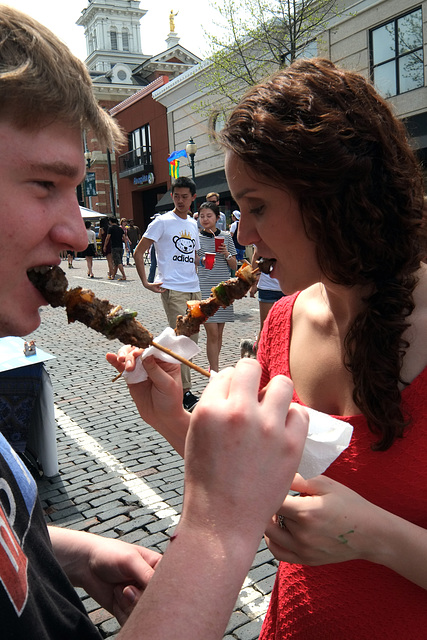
(281, 521)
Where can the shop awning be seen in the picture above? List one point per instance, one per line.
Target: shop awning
(89, 214)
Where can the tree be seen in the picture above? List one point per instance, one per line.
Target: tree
(258, 36)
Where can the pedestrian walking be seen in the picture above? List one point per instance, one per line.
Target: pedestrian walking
(90, 251)
(115, 233)
(220, 247)
(176, 239)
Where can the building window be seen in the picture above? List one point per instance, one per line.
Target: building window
(397, 61)
(140, 144)
(113, 40)
(125, 40)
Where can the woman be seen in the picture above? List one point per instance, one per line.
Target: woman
(90, 251)
(268, 288)
(329, 188)
(208, 278)
(126, 240)
(234, 226)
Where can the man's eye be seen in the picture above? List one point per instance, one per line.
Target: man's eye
(45, 184)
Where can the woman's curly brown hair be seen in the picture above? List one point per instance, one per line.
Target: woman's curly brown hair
(328, 137)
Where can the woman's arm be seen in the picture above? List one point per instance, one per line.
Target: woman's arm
(332, 523)
(159, 398)
(228, 251)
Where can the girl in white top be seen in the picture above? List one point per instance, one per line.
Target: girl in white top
(90, 251)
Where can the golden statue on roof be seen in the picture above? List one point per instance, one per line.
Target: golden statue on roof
(172, 17)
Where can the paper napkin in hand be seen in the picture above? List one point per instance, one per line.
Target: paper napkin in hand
(181, 345)
(327, 438)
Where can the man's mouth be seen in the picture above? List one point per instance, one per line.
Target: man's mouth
(50, 281)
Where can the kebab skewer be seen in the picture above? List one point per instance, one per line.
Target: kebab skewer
(83, 306)
(114, 322)
(224, 294)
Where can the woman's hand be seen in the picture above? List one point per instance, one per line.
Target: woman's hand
(329, 523)
(159, 398)
(223, 250)
(232, 262)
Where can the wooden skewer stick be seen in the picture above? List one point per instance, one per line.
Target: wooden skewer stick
(181, 359)
(190, 364)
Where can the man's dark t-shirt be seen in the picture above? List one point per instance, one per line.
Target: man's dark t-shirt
(116, 234)
(36, 598)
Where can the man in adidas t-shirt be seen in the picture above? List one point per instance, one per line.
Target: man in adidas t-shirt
(176, 239)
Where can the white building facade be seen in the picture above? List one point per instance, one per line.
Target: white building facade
(382, 39)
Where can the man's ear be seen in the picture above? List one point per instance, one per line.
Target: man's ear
(194, 197)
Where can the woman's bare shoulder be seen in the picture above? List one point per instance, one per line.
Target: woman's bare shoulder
(415, 360)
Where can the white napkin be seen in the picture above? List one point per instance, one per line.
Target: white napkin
(181, 345)
(327, 438)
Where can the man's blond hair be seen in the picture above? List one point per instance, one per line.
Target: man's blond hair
(42, 82)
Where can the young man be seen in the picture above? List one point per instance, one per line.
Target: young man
(222, 222)
(46, 99)
(176, 238)
(134, 235)
(115, 234)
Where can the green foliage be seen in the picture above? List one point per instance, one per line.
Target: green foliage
(258, 36)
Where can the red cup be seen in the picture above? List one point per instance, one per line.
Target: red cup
(218, 243)
(209, 260)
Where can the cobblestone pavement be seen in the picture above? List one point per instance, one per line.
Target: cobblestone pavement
(118, 477)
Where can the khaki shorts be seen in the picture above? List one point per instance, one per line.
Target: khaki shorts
(174, 304)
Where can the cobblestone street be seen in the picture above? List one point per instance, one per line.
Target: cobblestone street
(117, 476)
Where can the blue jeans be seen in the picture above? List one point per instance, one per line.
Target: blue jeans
(153, 264)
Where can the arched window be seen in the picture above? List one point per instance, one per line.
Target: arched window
(125, 39)
(113, 40)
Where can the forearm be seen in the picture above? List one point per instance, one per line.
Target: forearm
(71, 548)
(232, 263)
(138, 256)
(194, 588)
(175, 434)
(401, 546)
(173, 426)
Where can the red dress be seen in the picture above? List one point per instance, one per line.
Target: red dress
(355, 600)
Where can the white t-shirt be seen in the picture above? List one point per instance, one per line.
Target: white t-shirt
(176, 241)
(268, 283)
(222, 222)
(91, 236)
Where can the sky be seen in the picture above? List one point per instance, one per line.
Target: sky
(61, 15)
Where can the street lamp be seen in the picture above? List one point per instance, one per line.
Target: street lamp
(191, 150)
(88, 158)
(89, 187)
